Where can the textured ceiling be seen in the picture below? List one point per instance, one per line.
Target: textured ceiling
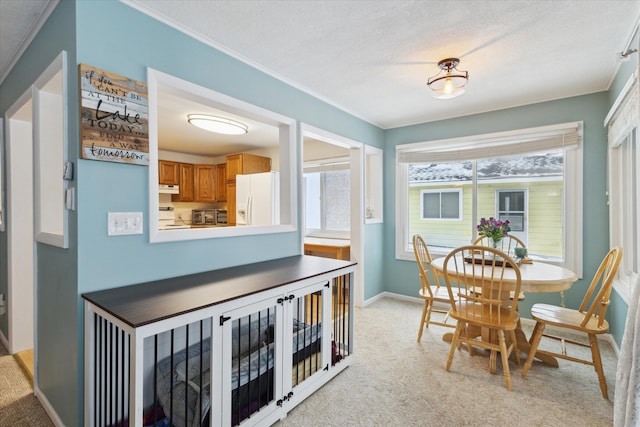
(19, 20)
(372, 58)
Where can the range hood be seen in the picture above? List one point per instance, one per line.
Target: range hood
(168, 189)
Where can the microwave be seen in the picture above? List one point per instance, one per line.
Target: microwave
(221, 216)
(203, 217)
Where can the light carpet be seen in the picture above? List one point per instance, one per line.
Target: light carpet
(395, 381)
(18, 405)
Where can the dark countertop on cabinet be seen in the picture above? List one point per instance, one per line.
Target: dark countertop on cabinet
(144, 303)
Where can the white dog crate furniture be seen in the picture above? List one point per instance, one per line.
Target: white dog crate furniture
(237, 346)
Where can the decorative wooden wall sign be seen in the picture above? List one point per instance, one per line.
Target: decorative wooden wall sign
(114, 122)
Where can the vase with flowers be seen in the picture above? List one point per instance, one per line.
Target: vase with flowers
(494, 229)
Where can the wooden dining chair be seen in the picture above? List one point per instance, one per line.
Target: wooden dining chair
(491, 312)
(507, 245)
(429, 293)
(588, 319)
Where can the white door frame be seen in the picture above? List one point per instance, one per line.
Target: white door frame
(21, 295)
(356, 150)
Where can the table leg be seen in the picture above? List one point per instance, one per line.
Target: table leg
(524, 347)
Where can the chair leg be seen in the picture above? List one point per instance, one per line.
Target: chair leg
(454, 344)
(597, 364)
(428, 319)
(514, 341)
(505, 358)
(425, 308)
(534, 341)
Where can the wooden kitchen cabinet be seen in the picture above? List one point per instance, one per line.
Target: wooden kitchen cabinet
(168, 172)
(205, 183)
(245, 163)
(186, 184)
(242, 163)
(231, 203)
(221, 182)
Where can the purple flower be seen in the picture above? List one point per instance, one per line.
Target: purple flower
(494, 229)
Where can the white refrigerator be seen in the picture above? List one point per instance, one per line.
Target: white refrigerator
(258, 199)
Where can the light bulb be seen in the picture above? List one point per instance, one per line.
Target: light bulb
(448, 86)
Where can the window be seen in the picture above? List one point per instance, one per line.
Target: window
(532, 178)
(624, 184)
(445, 204)
(511, 207)
(327, 199)
(373, 184)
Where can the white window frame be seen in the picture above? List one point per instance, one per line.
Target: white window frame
(329, 165)
(440, 191)
(624, 119)
(573, 182)
(525, 219)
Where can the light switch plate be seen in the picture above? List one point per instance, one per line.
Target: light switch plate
(124, 223)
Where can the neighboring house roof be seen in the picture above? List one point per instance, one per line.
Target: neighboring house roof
(531, 166)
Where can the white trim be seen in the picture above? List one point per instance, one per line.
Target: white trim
(48, 408)
(508, 137)
(20, 238)
(623, 93)
(288, 165)
(48, 10)
(58, 65)
(4, 341)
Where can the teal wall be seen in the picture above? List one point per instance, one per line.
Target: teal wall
(117, 38)
(401, 277)
(112, 36)
(59, 357)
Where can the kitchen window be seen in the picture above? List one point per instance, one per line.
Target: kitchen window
(624, 184)
(531, 177)
(327, 201)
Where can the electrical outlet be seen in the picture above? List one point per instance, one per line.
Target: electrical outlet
(124, 223)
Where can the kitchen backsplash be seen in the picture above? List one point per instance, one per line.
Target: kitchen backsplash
(182, 210)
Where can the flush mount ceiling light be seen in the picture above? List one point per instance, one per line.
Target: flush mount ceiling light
(218, 124)
(449, 82)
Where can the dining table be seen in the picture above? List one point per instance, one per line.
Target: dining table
(535, 276)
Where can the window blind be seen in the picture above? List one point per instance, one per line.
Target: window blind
(624, 114)
(492, 145)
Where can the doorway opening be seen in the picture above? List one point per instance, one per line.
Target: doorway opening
(20, 232)
(332, 218)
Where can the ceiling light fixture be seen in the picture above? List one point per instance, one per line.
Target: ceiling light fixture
(449, 82)
(218, 124)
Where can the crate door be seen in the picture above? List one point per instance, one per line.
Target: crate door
(306, 346)
(251, 355)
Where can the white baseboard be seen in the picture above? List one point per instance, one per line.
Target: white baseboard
(47, 407)
(5, 342)
(386, 294)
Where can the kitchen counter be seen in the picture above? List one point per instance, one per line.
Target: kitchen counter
(333, 248)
